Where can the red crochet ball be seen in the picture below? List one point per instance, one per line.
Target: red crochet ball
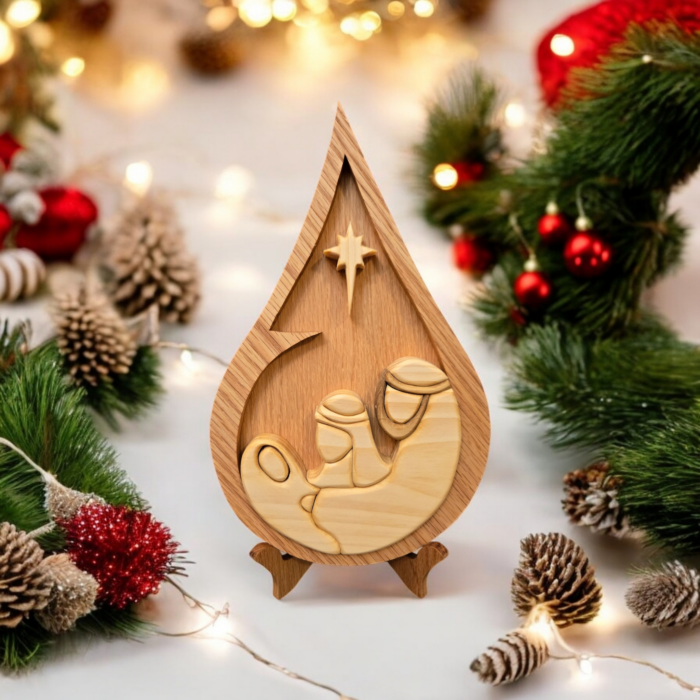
(532, 290)
(470, 254)
(8, 147)
(127, 551)
(5, 224)
(468, 172)
(587, 255)
(554, 229)
(596, 28)
(63, 226)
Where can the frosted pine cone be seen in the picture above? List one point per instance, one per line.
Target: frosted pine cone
(591, 501)
(25, 584)
(511, 658)
(554, 572)
(63, 503)
(669, 597)
(93, 339)
(147, 263)
(73, 594)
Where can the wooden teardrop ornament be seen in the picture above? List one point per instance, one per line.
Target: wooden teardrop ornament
(350, 427)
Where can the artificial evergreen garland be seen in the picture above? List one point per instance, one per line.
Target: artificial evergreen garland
(584, 354)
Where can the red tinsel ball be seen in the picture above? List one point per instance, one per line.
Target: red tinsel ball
(532, 290)
(127, 551)
(586, 255)
(471, 254)
(593, 30)
(63, 226)
(5, 223)
(554, 229)
(8, 147)
(468, 172)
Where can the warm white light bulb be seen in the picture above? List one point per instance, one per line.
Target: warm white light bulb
(585, 666)
(396, 8)
(138, 177)
(233, 183)
(514, 114)
(445, 176)
(562, 45)
(255, 13)
(73, 66)
(284, 10)
(370, 21)
(21, 13)
(220, 17)
(7, 43)
(423, 8)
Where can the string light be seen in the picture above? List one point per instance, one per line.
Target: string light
(284, 10)
(7, 43)
(514, 114)
(424, 8)
(562, 45)
(396, 9)
(255, 13)
(233, 183)
(21, 13)
(220, 17)
(445, 176)
(370, 21)
(138, 177)
(585, 665)
(73, 67)
(317, 7)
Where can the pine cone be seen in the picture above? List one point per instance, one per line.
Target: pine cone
(63, 503)
(73, 594)
(25, 584)
(147, 263)
(591, 501)
(94, 341)
(554, 572)
(210, 52)
(669, 597)
(511, 658)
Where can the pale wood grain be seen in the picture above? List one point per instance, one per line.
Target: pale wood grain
(305, 345)
(400, 406)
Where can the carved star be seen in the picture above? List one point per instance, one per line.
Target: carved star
(350, 254)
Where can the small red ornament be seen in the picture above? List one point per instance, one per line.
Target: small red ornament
(532, 290)
(468, 172)
(517, 316)
(8, 147)
(587, 255)
(554, 228)
(5, 224)
(63, 226)
(128, 551)
(471, 254)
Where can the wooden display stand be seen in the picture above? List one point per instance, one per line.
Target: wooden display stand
(350, 427)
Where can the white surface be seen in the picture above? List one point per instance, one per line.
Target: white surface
(357, 629)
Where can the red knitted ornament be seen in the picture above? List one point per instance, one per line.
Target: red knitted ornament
(127, 551)
(63, 226)
(8, 147)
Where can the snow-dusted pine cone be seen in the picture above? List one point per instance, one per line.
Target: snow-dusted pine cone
(554, 573)
(73, 594)
(94, 340)
(590, 500)
(668, 597)
(512, 657)
(147, 262)
(25, 584)
(63, 503)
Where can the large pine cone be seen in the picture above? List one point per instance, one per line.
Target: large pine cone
(669, 597)
(511, 658)
(591, 501)
(147, 263)
(25, 584)
(554, 573)
(95, 343)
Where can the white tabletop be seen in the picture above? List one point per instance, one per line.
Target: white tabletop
(355, 628)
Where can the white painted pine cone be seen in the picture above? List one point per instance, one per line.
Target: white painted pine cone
(21, 274)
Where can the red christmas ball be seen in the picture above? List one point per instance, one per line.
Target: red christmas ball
(468, 172)
(8, 147)
(5, 224)
(471, 254)
(554, 229)
(128, 551)
(587, 255)
(63, 226)
(582, 38)
(532, 290)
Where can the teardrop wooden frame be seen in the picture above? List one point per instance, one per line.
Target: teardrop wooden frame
(262, 346)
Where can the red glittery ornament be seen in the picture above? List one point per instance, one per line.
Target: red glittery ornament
(471, 254)
(554, 229)
(586, 254)
(8, 147)
(5, 224)
(127, 551)
(595, 29)
(532, 290)
(63, 226)
(468, 172)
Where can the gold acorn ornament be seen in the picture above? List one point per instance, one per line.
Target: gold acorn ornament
(351, 427)
(22, 274)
